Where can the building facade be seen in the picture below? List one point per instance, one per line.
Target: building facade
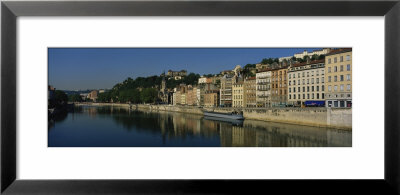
(237, 95)
(279, 86)
(172, 73)
(211, 98)
(263, 91)
(315, 52)
(306, 84)
(226, 90)
(339, 78)
(249, 92)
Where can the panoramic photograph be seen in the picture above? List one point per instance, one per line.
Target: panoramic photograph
(200, 97)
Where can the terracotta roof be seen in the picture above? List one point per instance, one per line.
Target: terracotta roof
(305, 63)
(337, 51)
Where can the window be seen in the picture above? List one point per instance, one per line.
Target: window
(294, 90)
(312, 88)
(294, 96)
(348, 77)
(308, 96)
(303, 74)
(308, 74)
(290, 76)
(308, 81)
(312, 95)
(348, 87)
(317, 73)
(294, 75)
(298, 82)
(329, 88)
(298, 89)
(298, 75)
(290, 96)
(323, 80)
(317, 88)
(335, 60)
(341, 77)
(312, 73)
(290, 90)
(317, 80)
(341, 68)
(318, 96)
(323, 87)
(312, 81)
(348, 67)
(335, 88)
(322, 72)
(304, 96)
(329, 79)
(329, 61)
(329, 69)
(335, 69)
(304, 90)
(348, 57)
(341, 58)
(304, 81)
(341, 87)
(294, 82)
(323, 95)
(308, 89)
(335, 78)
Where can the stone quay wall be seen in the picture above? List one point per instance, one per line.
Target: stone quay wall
(340, 118)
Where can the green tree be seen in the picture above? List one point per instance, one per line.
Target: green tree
(149, 95)
(104, 97)
(75, 98)
(60, 97)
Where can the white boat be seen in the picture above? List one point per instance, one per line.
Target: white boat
(234, 116)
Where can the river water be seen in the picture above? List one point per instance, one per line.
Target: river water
(90, 126)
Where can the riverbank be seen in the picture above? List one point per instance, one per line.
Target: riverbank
(340, 118)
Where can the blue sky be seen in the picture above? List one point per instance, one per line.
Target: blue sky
(99, 68)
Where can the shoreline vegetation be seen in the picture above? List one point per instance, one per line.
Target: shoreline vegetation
(338, 118)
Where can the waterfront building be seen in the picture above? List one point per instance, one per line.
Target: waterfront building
(176, 97)
(279, 86)
(263, 91)
(202, 89)
(315, 52)
(237, 95)
(211, 98)
(339, 78)
(191, 97)
(249, 92)
(226, 90)
(93, 95)
(306, 83)
(172, 73)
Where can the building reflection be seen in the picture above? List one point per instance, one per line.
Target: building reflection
(249, 133)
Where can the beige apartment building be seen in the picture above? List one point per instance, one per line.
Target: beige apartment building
(279, 86)
(237, 95)
(306, 83)
(339, 78)
(249, 92)
(226, 90)
(263, 90)
(211, 98)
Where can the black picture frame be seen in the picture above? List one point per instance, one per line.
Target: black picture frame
(11, 10)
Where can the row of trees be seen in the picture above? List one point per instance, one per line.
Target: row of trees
(135, 96)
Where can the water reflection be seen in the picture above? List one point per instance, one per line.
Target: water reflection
(116, 126)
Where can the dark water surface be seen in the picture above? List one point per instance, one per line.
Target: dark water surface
(119, 127)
